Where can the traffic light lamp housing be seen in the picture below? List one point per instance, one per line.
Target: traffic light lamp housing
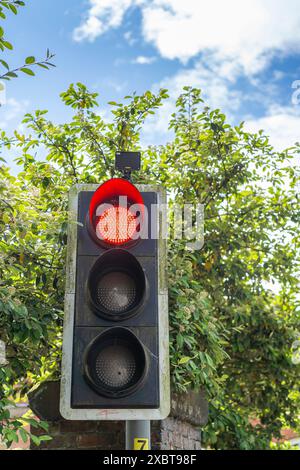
(115, 349)
(114, 269)
(111, 223)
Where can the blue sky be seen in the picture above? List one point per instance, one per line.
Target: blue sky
(245, 55)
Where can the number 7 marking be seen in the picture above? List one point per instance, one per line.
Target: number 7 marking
(141, 444)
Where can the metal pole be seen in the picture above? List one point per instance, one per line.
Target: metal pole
(138, 435)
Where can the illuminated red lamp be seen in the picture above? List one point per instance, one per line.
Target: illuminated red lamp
(116, 213)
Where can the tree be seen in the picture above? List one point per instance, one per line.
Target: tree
(14, 312)
(30, 62)
(231, 334)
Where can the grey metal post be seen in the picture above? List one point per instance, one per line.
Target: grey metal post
(138, 435)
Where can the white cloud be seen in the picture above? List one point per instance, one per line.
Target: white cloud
(128, 36)
(227, 40)
(101, 16)
(215, 82)
(144, 60)
(116, 85)
(248, 32)
(214, 79)
(12, 110)
(281, 124)
(139, 60)
(278, 75)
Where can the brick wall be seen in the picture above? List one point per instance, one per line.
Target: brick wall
(176, 435)
(178, 432)
(82, 435)
(170, 434)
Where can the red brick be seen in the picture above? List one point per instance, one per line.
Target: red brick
(110, 426)
(78, 426)
(89, 441)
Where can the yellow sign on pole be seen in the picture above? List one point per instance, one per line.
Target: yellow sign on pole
(140, 443)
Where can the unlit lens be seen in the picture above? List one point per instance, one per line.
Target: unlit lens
(116, 285)
(115, 363)
(116, 366)
(116, 292)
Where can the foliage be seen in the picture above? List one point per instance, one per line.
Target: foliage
(30, 62)
(24, 324)
(230, 332)
(283, 446)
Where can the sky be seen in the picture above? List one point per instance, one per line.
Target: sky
(244, 55)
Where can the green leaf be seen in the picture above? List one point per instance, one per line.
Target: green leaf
(30, 60)
(10, 75)
(12, 435)
(27, 71)
(184, 360)
(33, 422)
(43, 66)
(13, 8)
(23, 434)
(5, 64)
(45, 438)
(35, 439)
(8, 45)
(44, 425)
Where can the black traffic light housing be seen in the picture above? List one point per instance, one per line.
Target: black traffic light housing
(115, 357)
(98, 308)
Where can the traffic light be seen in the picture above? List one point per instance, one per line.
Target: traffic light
(115, 349)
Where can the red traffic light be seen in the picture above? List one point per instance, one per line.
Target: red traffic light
(116, 213)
